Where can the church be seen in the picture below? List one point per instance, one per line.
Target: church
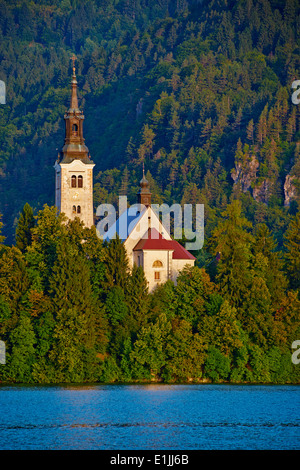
(147, 242)
(74, 167)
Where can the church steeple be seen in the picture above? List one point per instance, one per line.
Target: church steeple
(74, 99)
(74, 167)
(144, 194)
(74, 147)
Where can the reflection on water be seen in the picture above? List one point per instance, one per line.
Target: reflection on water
(182, 417)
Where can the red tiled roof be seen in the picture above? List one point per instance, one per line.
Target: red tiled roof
(156, 241)
(180, 252)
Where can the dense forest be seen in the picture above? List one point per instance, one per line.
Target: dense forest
(200, 93)
(73, 312)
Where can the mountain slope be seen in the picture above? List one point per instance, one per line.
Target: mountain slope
(198, 91)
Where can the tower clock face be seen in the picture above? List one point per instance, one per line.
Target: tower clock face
(75, 196)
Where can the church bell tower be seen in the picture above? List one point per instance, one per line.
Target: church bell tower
(74, 167)
(144, 194)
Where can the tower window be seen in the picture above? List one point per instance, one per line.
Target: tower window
(73, 181)
(157, 276)
(74, 210)
(78, 210)
(157, 264)
(75, 129)
(80, 181)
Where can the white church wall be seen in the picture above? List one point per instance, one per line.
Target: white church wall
(67, 196)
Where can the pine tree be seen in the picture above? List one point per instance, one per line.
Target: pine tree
(185, 352)
(292, 256)
(124, 183)
(191, 293)
(14, 281)
(24, 228)
(22, 355)
(2, 238)
(116, 306)
(232, 240)
(137, 299)
(41, 254)
(145, 149)
(222, 328)
(271, 265)
(116, 264)
(80, 327)
(148, 356)
(250, 131)
(291, 126)
(262, 126)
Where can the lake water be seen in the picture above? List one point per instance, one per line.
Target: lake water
(150, 417)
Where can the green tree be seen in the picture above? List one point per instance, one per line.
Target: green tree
(22, 355)
(79, 331)
(232, 240)
(217, 365)
(222, 329)
(185, 352)
(258, 314)
(148, 355)
(14, 281)
(41, 254)
(137, 299)
(292, 255)
(269, 264)
(24, 228)
(2, 238)
(116, 264)
(191, 293)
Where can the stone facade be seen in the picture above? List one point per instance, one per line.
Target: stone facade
(74, 190)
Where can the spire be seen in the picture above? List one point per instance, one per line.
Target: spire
(74, 147)
(144, 194)
(74, 99)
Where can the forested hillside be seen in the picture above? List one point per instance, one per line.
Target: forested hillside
(200, 93)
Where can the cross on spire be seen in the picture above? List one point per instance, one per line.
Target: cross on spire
(74, 100)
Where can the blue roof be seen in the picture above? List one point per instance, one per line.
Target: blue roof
(124, 224)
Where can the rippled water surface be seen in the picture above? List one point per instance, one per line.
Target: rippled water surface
(182, 417)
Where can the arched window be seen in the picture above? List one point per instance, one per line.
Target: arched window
(74, 129)
(157, 264)
(74, 210)
(73, 181)
(80, 181)
(78, 209)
